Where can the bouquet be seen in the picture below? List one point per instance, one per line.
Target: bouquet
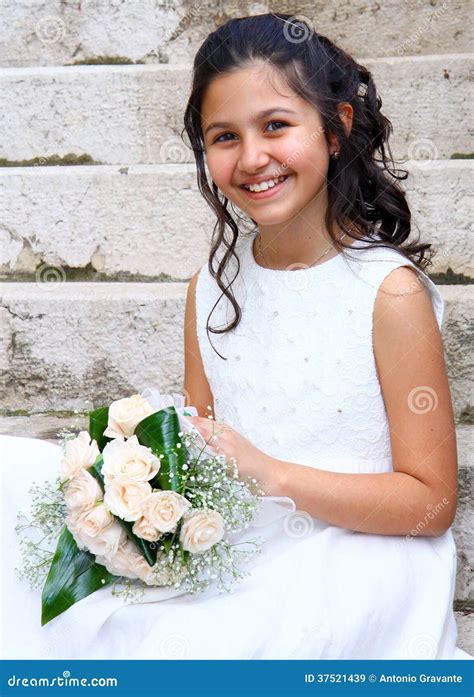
(140, 500)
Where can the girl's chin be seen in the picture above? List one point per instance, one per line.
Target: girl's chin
(277, 216)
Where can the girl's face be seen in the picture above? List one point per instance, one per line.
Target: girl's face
(243, 144)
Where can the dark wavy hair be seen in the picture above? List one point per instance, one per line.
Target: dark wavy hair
(362, 190)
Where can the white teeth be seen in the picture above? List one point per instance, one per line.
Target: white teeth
(263, 186)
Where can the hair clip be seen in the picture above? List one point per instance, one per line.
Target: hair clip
(362, 90)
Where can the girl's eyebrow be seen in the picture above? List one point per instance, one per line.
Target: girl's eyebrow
(260, 115)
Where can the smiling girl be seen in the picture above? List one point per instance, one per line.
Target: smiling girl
(312, 336)
(325, 377)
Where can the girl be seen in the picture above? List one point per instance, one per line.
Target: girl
(327, 368)
(326, 375)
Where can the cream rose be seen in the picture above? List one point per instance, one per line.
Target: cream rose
(125, 498)
(95, 520)
(163, 509)
(82, 492)
(80, 453)
(125, 414)
(129, 460)
(144, 529)
(104, 543)
(125, 561)
(201, 530)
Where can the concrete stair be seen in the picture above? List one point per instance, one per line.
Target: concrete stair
(88, 220)
(52, 32)
(129, 114)
(65, 342)
(96, 253)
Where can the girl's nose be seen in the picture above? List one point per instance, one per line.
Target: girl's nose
(252, 156)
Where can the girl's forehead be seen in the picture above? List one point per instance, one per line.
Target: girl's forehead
(250, 77)
(255, 87)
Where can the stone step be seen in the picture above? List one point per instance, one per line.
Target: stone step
(49, 426)
(144, 221)
(148, 220)
(117, 114)
(69, 342)
(50, 32)
(465, 625)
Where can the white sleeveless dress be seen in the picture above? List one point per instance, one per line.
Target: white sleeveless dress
(300, 382)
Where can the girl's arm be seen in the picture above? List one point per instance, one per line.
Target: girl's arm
(420, 495)
(196, 386)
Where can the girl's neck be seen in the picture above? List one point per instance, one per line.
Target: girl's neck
(278, 250)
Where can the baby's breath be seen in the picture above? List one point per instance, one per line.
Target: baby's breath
(129, 590)
(63, 436)
(212, 482)
(39, 532)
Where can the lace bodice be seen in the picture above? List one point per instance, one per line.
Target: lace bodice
(300, 379)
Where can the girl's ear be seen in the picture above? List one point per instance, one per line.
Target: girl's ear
(346, 113)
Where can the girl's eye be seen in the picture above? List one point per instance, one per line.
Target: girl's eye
(282, 122)
(218, 139)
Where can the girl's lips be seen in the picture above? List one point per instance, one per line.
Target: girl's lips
(269, 192)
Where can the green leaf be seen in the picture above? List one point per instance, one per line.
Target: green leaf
(73, 575)
(184, 555)
(166, 541)
(98, 421)
(147, 549)
(159, 432)
(96, 470)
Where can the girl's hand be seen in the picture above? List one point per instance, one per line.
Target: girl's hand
(250, 460)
